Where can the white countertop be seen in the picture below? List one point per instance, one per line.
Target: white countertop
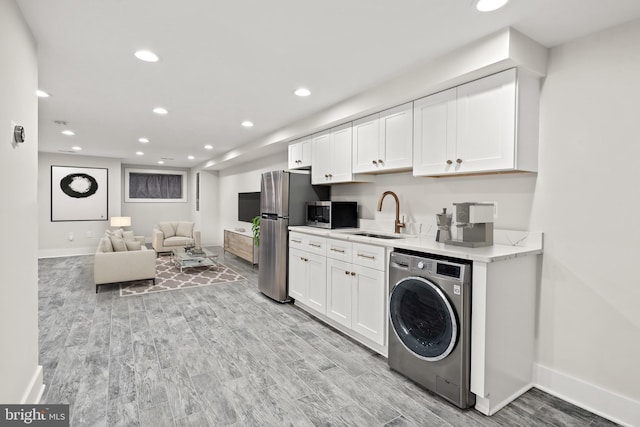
(526, 243)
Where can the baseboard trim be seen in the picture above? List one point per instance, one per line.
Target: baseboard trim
(605, 403)
(35, 389)
(57, 253)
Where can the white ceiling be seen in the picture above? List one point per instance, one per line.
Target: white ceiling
(222, 62)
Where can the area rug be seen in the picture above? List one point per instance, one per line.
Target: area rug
(169, 278)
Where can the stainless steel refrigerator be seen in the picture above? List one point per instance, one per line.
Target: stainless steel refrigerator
(283, 198)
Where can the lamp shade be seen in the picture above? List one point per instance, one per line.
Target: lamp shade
(120, 221)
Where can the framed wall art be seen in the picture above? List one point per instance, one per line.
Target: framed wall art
(79, 194)
(151, 185)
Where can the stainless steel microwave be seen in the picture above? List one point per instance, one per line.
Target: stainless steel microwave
(327, 214)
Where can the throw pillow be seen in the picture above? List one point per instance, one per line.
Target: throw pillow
(105, 245)
(184, 229)
(128, 235)
(167, 229)
(118, 244)
(118, 232)
(133, 245)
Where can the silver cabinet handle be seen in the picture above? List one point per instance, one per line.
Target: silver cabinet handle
(374, 162)
(366, 256)
(326, 175)
(458, 161)
(315, 245)
(353, 273)
(296, 241)
(346, 272)
(330, 175)
(337, 250)
(449, 162)
(380, 161)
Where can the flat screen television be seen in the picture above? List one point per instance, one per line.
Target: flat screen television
(248, 206)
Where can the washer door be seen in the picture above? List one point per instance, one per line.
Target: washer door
(423, 318)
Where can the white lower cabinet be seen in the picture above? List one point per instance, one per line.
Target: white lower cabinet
(339, 286)
(343, 282)
(368, 303)
(307, 279)
(356, 292)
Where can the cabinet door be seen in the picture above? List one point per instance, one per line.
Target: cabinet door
(396, 141)
(305, 153)
(434, 134)
(317, 282)
(339, 282)
(294, 156)
(298, 275)
(341, 153)
(366, 143)
(321, 158)
(368, 303)
(486, 123)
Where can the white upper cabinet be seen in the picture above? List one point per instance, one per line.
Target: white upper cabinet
(488, 125)
(383, 142)
(331, 156)
(300, 154)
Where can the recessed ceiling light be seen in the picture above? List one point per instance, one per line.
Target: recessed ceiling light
(490, 5)
(302, 92)
(143, 140)
(42, 94)
(76, 148)
(247, 124)
(139, 153)
(146, 56)
(190, 157)
(68, 132)
(160, 162)
(160, 110)
(208, 147)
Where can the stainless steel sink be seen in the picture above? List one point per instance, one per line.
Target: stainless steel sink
(378, 236)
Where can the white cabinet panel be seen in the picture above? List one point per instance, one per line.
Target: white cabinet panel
(339, 290)
(434, 133)
(341, 153)
(366, 144)
(396, 142)
(321, 157)
(297, 275)
(317, 282)
(368, 303)
(486, 117)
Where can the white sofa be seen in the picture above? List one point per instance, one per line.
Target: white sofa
(169, 235)
(110, 266)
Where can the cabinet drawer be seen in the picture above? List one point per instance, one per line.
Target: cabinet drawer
(308, 243)
(369, 256)
(339, 249)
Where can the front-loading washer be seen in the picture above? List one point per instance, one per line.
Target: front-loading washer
(430, 323)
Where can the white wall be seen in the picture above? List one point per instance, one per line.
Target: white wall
(145, 215)
(20, 375)
(586, 201)
(54, 236)
(243, 178)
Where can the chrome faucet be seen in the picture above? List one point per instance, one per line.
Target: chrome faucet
(398, 224)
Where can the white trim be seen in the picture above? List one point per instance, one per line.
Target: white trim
(128, 171)
(35, 389)
(56, 253)
(605, 403)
